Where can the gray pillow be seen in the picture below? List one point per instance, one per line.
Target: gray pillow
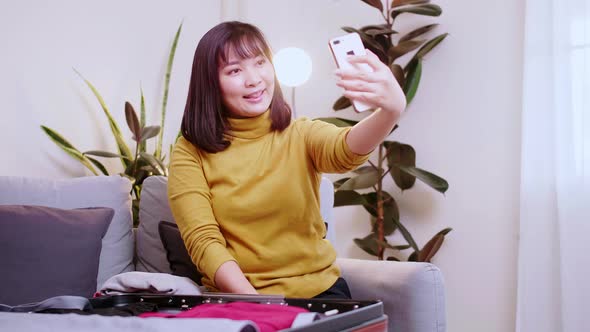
(46, 252)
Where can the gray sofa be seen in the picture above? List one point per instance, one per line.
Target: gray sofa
(412, 293)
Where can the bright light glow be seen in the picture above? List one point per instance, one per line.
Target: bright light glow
(293, 66)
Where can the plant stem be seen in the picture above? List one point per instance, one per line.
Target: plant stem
(380, 235)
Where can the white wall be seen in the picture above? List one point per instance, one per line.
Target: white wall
(464, 122)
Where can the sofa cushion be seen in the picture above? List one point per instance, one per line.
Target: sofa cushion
(153, 208)
(48, 252)
(180, 261)
(106, 191)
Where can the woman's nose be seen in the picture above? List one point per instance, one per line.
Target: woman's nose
(253, 77)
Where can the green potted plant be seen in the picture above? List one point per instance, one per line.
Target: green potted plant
(137, 164)
(394, 158)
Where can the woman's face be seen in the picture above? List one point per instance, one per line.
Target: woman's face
(247, 85)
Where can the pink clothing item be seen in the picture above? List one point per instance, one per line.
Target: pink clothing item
(268, 317)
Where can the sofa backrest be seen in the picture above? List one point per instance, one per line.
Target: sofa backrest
(154, 207)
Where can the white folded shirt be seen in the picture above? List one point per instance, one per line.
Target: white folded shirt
(149, 282)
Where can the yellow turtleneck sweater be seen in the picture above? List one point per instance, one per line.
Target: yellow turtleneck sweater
(257, 203)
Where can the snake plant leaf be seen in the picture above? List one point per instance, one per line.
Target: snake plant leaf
(153, 162)
(430, 45)
(338, 183)
(341, 103)
(422, 9)
(132, 121)
(121, 145)
(401, 154)
(393, 258)
(434, 181)
(368, 244)
(158, 152)
(403, 48)
(143, 145)
(414, 70)
(417, 32)
(150, 169)
(431, 248)
(68, 148)
(98, 165)
(398, 73)
(406, 234)
(149, 132)
(104, 154)
(347, 197)
(399, 3)
(339, 122)
(375, 4)
(362, 181)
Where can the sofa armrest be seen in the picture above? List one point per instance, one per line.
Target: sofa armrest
(412, 293)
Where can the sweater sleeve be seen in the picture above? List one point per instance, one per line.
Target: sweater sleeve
(327, 147)
(190, 202)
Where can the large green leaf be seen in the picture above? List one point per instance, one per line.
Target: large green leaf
(434, 181)
(341, 103)
(414, 71)
(431, 248)
(153, 162)
(339, 122)
(403, 48)
(66, 146)
(386, 244)
(368, 244)
(430, 45)
(406, 234)
(398, 73)
(380, 32)
(121, 145)
(417, 32)
(347, 197)
(98, 165)
(149, 132)
(401, 154)
(132, 121)
(399, 3)
(158, 152)
(424, 9)
(375, 4)
(362, 181)
(339, 182)
(364, 169)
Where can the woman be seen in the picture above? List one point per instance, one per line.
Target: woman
(244, 179)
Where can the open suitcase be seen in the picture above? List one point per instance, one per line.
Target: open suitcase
(350, 315)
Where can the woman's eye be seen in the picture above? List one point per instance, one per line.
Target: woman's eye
(261, 61)
(234, 71)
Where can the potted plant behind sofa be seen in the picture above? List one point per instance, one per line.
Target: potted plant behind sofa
(394, 158)
(137, 164)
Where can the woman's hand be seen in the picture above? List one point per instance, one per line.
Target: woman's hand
(378, 88)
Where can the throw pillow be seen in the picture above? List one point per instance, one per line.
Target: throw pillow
(180, 261)
(46, 252)
(89, 191)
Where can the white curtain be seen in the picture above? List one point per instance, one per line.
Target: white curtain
(554, 247)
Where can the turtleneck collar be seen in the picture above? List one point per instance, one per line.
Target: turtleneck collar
(250, 128)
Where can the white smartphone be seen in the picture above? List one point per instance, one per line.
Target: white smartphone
(341, 48)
